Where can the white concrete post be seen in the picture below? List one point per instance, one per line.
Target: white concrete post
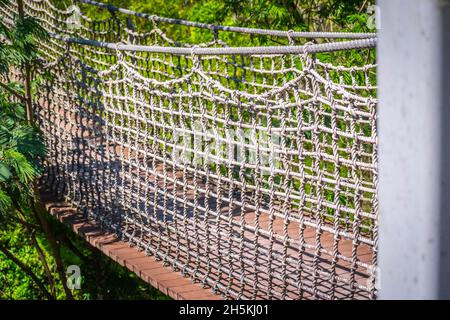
(414, 149)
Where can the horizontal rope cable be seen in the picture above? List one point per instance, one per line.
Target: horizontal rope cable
(267, 32)
(269, 50)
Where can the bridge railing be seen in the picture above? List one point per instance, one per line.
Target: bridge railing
(250, 169)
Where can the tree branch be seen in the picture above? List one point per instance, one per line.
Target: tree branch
(43, 259)
(21, 219)
(13, 92)
(26, 269)
(72, 247)
(31, 228)
(40, 216)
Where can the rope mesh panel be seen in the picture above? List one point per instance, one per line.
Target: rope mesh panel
(255, 175)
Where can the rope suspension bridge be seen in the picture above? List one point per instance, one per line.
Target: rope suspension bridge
(251, 170)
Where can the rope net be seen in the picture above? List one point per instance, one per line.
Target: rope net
(253, 174)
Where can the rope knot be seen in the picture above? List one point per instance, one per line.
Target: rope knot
(111, 8)
(309, 58)
(195, 57)
(153, 20)
(290, 36)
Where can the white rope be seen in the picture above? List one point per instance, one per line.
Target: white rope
(268, 50)
(267, 32)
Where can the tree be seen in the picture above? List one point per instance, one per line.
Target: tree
(22, 147)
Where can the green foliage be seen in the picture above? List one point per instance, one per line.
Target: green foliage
(19, 44)
(314, 15)
(21, 144)
(14, 282)
(102, 278)
(21, 151)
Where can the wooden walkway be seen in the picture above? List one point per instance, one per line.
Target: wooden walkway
(146, 267)
(173, 283)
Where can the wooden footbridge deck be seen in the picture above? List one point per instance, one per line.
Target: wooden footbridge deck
(146, 267)
(172, 283)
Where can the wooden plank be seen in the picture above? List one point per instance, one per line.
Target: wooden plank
(171, 283)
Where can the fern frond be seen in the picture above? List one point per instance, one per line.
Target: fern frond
(22, 167)
(5, 203)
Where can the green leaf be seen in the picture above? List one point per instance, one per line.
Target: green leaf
(5, 202)
(5, 173)
(22, 167)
